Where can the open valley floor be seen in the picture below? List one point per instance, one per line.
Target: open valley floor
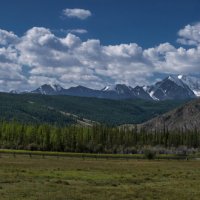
(37, 177)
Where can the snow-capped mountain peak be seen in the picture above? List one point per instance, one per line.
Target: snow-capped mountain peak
(171, 87)
(123, 91)
(192, 82)
(176, 80)
(118, 88)
(14, 92)
(48, 89)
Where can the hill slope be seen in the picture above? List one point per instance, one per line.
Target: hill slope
(50, 109)
(16, 107)
(183, 118)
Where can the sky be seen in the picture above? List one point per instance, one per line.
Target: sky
(97, 42)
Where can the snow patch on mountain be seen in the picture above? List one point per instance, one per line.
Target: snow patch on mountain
(42, 91)
(56, 87)
(109, 88)
(197, 93)
(152, 96)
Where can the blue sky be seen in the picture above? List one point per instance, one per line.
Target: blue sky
(108, 41)
(146, 22)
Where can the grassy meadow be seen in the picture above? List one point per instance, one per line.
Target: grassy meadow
(39, 177)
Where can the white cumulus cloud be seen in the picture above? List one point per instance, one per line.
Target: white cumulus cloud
(77, 13)
(79, 31)
(7, 37)
(190, 35)
(69, 61)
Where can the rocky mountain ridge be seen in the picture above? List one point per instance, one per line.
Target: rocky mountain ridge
(170, 88)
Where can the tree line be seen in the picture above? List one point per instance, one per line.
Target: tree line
(96, 139)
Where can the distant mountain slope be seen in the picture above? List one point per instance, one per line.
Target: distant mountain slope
(48, 89)
(171, 87)
(47, 109)
(141, 93)
(81, 91)
(183, 118)
(119, 91)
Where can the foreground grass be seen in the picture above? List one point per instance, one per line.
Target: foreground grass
(63, 178)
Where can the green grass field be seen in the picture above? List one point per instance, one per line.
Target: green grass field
(65, 178)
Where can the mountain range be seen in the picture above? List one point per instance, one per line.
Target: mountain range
(170, 88)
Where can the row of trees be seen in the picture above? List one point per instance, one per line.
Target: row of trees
(96, 139)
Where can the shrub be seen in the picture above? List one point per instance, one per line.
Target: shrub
(32, 147)
(149, 154)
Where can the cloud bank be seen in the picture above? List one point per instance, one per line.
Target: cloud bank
(39, 56)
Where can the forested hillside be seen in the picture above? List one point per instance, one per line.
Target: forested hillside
(34, 108)
(18, 108)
